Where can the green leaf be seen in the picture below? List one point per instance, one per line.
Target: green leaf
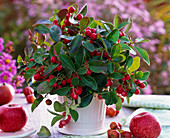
(67, 61)
(44, 88)
(61, 92)
(112, 66)
(75, 81)
(115, 50)
(124, 39)
(58, 107)
(76, 43)
(111, 98)
(143, 54)
(101, 80)
(83, 10)
(117, 21)
(135, 65)
(53, 113)
(100, 24)
(86, 100)
(89, 81)
(133, 88)
(31, 64)
(119, 58)
(116, 75)
(44, 132)
(82, 71)
(129, 62)
(97, 66)
(139, 40)
(90, 47)
(29, 74)
(129, 25)
(55, 119)
(38, 58)
(55, 33)
(74, 114)
(41, 29)
(52, 81)
(19, 60)
(79, 57)
(113, 36)
(118, 104)
(139, 75)
(122, 25)
(28, 50)
(58, 47)
(84, 23)
(50, 68)
(42, 21)
(124, 46)
(62, 14)
(145, 76)
(35, 103)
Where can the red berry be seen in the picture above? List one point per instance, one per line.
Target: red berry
(126, 134)
(71, 9)
(93, 30)
(79, 16)
(62, 27)
(64, 82)
(111, 112)
(37, 76)
(114, 125)
(55, 22)
(67, 23)
(91, 42)
(88, 32)
(26, 68)
(59, 68)
(137, 91)
(93, 53)
(60, 126)
(109, 82)
(98, 54)
(68, 80)
(78, 91)
(73, 95)
(71, 85)
(117, 112)
(48, 102)
(88, 28)
(67, 16)
(51, 76)
(100, 97)
(64, 114)
(124, 94)
(31, 59)
(69, 117)
(59, 87)
(48, 80)
(93, 36)
(105, 54)
(28, 90)
(66, 41)
(63, 122)
(107, 110)
(119, 90)
(53, 59)
(137, 82)
(30, 98)
(127, 77)
(55, 84)
(123, 79)
(88, 72)
(142, 85)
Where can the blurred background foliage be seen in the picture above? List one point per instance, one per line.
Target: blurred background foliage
(151, 19)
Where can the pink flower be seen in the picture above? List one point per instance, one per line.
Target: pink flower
(5, 77)
(1, 47)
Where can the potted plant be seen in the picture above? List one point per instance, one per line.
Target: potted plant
(87, 63)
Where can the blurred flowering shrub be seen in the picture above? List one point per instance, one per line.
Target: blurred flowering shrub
(8, 69)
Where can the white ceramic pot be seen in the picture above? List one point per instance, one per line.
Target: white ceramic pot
(91, 119)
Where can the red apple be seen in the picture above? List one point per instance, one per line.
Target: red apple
(30, 98)
(6, 93)
(12, 117)
(145, 125)
(28, 90)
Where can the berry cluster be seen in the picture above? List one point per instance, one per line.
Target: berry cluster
(28, 92)
(115, 131)
(64, 121)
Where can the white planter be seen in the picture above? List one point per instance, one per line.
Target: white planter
(91, 119)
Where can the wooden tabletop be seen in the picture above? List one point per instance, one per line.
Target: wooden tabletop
(40, 116)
